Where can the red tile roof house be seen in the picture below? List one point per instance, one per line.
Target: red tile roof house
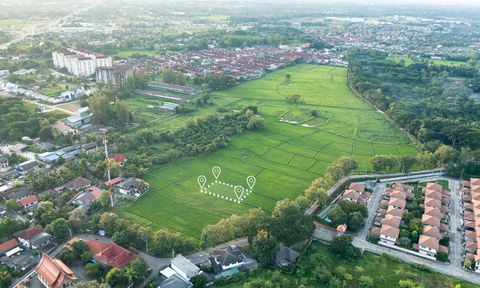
(32, 236)
(53, 273)
(428, 245)
(121, 159)
(397, 203)
(8, 246)
(391, 221)
(110, 253)
(28, 202)
(389, 234)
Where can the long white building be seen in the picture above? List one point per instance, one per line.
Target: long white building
(80, 62)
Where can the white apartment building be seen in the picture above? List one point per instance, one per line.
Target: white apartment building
(80, 62)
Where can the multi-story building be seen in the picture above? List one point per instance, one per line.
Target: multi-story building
(80, 62)
(115, 75)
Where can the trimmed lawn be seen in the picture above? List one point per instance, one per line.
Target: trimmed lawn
(284, 157)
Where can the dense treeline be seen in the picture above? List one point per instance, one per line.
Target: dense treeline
(421, 98)
(18, 119)
(435, 103)
(199, 136)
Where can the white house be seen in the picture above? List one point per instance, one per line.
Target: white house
(428, 245)
(183, 267)
(389, 234)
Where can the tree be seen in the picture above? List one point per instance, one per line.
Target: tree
(44, 213)
(366, 282)
(59, 228)
(5, 278)
(265, 248)
(12, 205)
(468, 264)
(446, 154)
(77, 219)
(289, 222)
(86, 257)
(342, 245)
(356, 221)
(383, 163)
(90, 284)
(95, 270)
(442, 256)
(337, 215)
(78, 248)
(116, 278)
(199, 281)
(136, 270)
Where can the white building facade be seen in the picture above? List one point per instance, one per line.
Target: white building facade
(80, 62)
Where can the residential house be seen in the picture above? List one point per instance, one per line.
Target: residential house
(389, 234)
(62, 128)
(356, 193)
(120, 159)
(17, 193)
(88, 196)
(227, 258)
(28, 202)
(110, 254)
(4, 163)
(9, 248)
(175, 281)
(285, 256)
(183, 267)
(428, 245)
(18, 147)
(48, 157)
(76, 184)
(391, 221)
(33, 238)
(397, 203)
(113, 181)
(131, 186)
(341, 229)
(53, 273)
(26, 166)
(82, 117)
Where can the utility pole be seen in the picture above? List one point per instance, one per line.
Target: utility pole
(107, 161)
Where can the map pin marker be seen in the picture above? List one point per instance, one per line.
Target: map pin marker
(216, 171)
(239, 192)
(251, 181)
(201, 181)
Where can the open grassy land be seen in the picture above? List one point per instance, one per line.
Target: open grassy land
(409, 61)
(284, 157)
(384, 270)
(129, 53)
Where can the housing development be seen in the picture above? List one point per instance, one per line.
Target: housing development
(239, 144)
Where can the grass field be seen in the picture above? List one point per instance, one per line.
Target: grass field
(409, 61)
(129, 53)
(284, 157)
(385, 272)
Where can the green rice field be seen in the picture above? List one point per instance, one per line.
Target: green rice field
(293, 149)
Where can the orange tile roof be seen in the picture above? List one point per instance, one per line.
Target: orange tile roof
(391, 220)
(397, 202)
(389, 231)
(29, 233)
(432, 211)
(434, 186)
(394, 211)
(27, 200)
(7, 246)
(342, 228)
(430, 220)
(110, 253)
(433, 202)
(432, 232)
(54, 272)
(429, 242)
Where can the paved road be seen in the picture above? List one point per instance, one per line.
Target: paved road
(39, 28)
(454, 268)
(372, 206)
(49, 107)
(456, 245)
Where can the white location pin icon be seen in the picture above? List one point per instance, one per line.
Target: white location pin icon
(201, 181)
(239, 192)
(251, 181)
(216, 171)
